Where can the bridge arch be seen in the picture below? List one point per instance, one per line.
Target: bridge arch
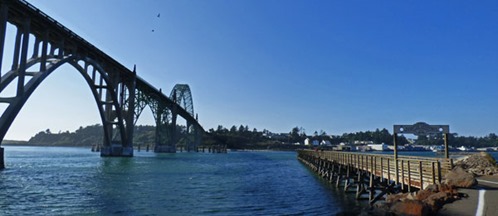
(97, 79)
(165, 112)
(182, 95)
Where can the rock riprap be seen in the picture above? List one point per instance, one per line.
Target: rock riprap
(478, 164)
(432, 198)
(425, 202)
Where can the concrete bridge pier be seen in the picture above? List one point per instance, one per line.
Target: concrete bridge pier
(2, 165)
(116, 150)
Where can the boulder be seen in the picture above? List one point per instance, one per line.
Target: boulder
(459, 178)
(423, 194)
(380, 209)
(410, 208)
(447, 188)
(392, 198)
(437, 200)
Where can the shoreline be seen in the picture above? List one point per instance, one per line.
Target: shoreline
(459, 153)
(35, 145)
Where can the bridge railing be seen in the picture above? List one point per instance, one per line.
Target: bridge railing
(411, 171)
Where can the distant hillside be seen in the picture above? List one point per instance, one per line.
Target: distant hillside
(14, 142)
(86, 136)
(243, 138)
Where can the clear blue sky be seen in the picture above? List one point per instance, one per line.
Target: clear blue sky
(337, 66)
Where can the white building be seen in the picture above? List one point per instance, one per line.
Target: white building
(307, 142)
(345, 148)
(325, 143)
(379, 147)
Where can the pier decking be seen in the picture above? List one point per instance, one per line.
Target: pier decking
(376, 174)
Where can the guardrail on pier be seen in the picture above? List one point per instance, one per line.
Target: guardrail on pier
(376, 172)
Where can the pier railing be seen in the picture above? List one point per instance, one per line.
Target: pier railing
(407, 171)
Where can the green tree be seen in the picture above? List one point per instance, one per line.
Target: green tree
(295, 135)
(233, 129)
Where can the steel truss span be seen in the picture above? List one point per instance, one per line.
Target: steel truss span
(42, 45)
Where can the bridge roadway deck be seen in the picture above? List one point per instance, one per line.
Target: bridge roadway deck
(407, 171)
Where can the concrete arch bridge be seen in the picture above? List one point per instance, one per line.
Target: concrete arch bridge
(42, 45)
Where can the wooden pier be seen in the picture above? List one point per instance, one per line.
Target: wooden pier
(376, 174)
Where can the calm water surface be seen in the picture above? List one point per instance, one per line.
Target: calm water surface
(69, 181)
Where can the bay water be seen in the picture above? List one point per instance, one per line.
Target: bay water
(76, 181)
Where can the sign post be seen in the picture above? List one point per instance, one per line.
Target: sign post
(423, 129)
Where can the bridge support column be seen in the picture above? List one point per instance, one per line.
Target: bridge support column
(173, 138)
(116, 150)
(2, 165)
(164, 143)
